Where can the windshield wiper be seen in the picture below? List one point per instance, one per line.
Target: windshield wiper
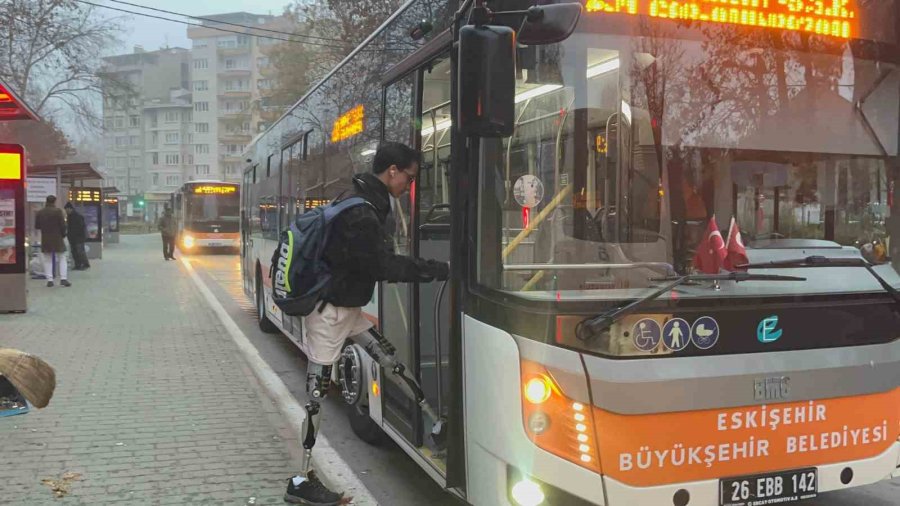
(592, 327)
(821, 261)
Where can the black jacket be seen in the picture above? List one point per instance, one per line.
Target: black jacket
(77, 231)
(360, 252)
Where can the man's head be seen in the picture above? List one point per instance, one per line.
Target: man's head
(167, 210)
(69, 208)
(51, 201)
(397, 166)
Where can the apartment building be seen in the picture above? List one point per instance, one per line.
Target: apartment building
(147, 116)
(230, 75)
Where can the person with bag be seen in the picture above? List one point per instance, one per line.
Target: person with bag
(358, 253)
(51, 221)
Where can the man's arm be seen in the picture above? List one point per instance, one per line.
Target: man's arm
(370, 250)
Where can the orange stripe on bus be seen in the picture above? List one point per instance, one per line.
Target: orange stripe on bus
(649, 450)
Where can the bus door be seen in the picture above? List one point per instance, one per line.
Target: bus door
(246, 241)
(415, 316)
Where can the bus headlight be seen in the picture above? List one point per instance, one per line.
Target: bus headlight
(527, 493)
(555, 422)
(188, 241)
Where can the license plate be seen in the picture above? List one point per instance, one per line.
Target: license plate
(772, 488)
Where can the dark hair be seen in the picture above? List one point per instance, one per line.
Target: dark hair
(69, 206)
(51, 199)
(394, 153)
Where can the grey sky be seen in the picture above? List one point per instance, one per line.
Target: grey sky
(155, 33)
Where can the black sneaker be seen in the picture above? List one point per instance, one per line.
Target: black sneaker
(49, 284)
(311, 492)
(65, 283)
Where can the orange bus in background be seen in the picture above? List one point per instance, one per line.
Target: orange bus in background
(207, 215)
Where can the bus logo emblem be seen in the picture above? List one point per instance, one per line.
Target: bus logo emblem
(767, 331)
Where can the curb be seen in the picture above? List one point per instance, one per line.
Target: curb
(332, 468)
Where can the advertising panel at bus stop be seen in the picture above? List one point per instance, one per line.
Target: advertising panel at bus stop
(12, 228)
(89, 203)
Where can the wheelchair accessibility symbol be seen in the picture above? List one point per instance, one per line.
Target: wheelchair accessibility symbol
(646, 334)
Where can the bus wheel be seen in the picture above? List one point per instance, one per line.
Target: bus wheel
(265, 324)
(351, 378)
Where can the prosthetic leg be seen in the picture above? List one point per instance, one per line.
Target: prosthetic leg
(383, 351)
(318, 381)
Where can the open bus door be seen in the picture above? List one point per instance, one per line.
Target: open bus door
(415, 317)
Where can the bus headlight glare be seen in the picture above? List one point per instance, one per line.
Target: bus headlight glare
(537, 390)
(527, 493)
(188, 241)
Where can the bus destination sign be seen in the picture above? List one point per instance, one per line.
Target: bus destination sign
(834, 18)
(215, 190)
(348, 124)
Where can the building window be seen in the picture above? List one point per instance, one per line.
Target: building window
(173, 138)
(155, 179)
(262, 62)
(201, 106)
(135, 162)
(155, 158)
(120, 122)
(201, 63)
(173, 180)
(201, 170)
(121, 142)
(201, 149)
(133, 140)
(173, 159)
(237, 85)
(201, 43)
(134, 121)
(264, 84)
(201, 128)
(201, 85)
(189, 159)
(173, 117)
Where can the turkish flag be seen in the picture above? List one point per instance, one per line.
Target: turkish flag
(710, 256)
(736, 252)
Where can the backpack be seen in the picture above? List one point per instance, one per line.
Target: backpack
(299, 272)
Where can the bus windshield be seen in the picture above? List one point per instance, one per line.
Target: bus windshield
(206, 213)
(636, 138)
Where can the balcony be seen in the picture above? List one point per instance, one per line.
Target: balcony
(234, 72)
(236, 137)
(234, 50)
(230, 157)
(234, 94)
(231, 114)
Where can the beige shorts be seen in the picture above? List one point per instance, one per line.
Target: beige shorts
(326, 331)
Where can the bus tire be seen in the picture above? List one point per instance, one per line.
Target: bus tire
(352, 381)
(265, 324)
(363, 426)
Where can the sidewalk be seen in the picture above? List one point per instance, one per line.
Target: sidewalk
(154, 403)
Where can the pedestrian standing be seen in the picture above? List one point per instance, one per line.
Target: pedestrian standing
(77, 235)
(51, 221)
(166, 226)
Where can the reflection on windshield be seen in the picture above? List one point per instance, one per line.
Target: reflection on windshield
(626, 148)
(207, 208)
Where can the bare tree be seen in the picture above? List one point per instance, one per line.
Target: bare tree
(50, 53)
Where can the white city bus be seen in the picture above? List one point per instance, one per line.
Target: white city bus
(574, 353)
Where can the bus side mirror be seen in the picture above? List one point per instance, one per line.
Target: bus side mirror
(487, 80)
(487, 63)
(549, 24)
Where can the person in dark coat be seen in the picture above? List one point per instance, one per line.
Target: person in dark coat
(166, 226)
(51, 221)
(360, 253)
(77, 235)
